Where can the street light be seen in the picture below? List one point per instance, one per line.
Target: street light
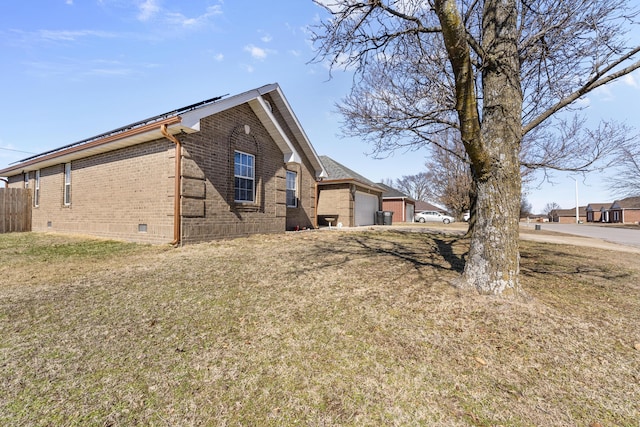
(577, 215)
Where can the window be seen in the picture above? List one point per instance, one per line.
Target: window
(292, 193)
(244, 174)
(36, 190)
(67, 184)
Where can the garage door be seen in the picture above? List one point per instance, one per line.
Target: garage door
(409, 213)
(366, 207)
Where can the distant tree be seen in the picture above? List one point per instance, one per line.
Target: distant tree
(389, 182)
(496, 71)
(449, 174)
(550, 207)
(625, 182)
(416, 186)
(525, 208)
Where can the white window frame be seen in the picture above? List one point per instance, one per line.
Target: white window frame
(36, 190)
(67, 184)
(292, 189)
(246, 174)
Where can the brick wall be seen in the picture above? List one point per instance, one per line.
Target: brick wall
(335, 200)
(397, 207)
(632, 216)
(209, 210)
(112, 195)
(628, 216)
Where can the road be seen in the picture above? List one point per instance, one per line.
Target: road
(620, 236)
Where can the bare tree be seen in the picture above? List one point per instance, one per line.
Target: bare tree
(496, 71)
(525, 208)
(388, 182)
(450, 176)
(626, 181)
(416, 186)
(549, 207)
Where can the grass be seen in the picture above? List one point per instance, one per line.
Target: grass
(312, 328)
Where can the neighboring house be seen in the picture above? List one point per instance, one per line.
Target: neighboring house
(539, 218)
(402, 206)
(598, 212)
(228, 166)
(568, 216)
(346, 197)
(422, 206)
(625, 210)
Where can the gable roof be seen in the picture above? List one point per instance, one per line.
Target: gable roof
(597, 206)
(421, 205)
(187, 120)
(337, 173)
(628, 203)
(569, 212)
(392, 193)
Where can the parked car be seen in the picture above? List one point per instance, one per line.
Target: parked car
(466, 216)
(433, 216)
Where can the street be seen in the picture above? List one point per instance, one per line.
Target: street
(622, 236)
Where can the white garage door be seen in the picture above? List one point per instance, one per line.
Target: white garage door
(409, 213)
(366, 207)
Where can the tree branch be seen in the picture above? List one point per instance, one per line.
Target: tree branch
(599, 79)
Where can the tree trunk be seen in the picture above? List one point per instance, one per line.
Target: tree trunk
(494, 259)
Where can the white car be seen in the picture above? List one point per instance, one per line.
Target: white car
(433, 216)
(466, 216)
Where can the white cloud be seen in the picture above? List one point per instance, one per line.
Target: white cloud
(69, 2)
(256, 52)
(110, 72)
(218, 57)
(333, 5)
(68, 35)
(630, 80)
(148, 9)
(266, 38)
(583, 102)
(177, 18)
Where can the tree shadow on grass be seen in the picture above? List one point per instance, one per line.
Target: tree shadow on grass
(431, 257)
(538, 260)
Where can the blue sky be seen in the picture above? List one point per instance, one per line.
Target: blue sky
(77, 68)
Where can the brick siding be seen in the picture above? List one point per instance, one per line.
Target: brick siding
(335, 201)
(111, 194)
(129, 193)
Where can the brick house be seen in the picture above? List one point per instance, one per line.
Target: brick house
(402, 205)
(598, 212)
(625, 211)
(568, 216)
(225, 167)
(346, 197)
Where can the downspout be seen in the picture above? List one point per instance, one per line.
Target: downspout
(6, 182)
(315, 208)
(177, 217)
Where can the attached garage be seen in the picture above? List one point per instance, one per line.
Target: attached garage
(409, 213)
(346, 197)
(366, 206)
(402, 205)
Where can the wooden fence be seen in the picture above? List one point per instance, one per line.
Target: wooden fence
(15, 210)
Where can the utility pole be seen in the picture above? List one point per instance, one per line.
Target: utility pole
(577, 214)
